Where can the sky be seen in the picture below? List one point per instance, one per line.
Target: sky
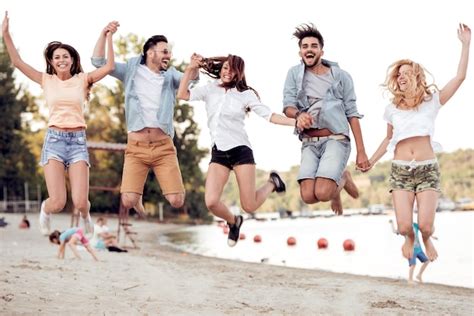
(364, 37)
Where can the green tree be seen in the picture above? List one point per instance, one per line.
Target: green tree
(17, 163)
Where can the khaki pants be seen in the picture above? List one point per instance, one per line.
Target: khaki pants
(160, 156)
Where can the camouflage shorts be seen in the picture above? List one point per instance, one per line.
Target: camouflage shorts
(415, 178)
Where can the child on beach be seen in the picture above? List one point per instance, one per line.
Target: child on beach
(417, 254)
(71, 236)
(66, 88)
(410, 129)
(228, 100)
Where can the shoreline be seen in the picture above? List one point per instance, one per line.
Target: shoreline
(159, 279)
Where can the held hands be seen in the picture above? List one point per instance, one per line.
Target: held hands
(363, 164)
(303, 121)
(196, 61)
(464, 34)
(111, 28)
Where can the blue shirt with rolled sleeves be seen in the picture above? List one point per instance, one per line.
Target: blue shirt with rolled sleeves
(339, 103)
(125, 72)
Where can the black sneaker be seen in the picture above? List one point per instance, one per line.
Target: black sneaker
(280, 186)
(234, 231)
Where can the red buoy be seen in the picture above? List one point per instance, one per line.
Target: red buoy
(242, 236)
(257, 238)
(322, 243)
(291, 241)
(348, 245)
(225, 230)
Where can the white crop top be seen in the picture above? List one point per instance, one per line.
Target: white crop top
(412, 123)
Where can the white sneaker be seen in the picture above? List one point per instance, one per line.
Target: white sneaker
(88, 226)
(44, 221)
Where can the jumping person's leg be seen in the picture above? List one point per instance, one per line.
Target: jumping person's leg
(166, 168)
(217, 177)
(56, 185)
(251, 198)
(427, 202)
(135, 171)
(79, 179)
(403, 203)
(427, 179)
(330, 176)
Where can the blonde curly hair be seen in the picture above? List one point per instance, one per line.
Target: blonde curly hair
(417, 89)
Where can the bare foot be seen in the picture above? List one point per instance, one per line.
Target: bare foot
(350, 186)
(411, 282)
(431, 252)
(139, 208)
(336, 204)
(407, 248)
(418, 277)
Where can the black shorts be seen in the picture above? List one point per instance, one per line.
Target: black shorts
(240, 155)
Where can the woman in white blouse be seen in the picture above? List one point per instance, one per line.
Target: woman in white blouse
(410, 129)
(228, 100)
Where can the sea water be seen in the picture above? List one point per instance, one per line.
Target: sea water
(377, 249)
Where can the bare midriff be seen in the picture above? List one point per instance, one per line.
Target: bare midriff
(148, 134)
(414, 148)
(316, 132)
(72, 129)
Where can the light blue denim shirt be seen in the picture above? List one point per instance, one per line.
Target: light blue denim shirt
(339, 104)
(133, 111)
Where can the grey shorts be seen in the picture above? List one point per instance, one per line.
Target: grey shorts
(324, 159)
(415, 176)
(65, 147)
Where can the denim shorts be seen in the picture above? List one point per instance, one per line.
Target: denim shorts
(65, 147)
(415, 176)
(240, 155)
(418, 254)
(325, 158)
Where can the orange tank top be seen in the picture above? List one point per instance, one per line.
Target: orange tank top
(65, 100)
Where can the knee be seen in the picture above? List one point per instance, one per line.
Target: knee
(247, 207)
(323, 195)
(56, 204)
(308, 197)
(176, 200)
(82, 205)
(212, 203)
(405, 228)
(426, 229)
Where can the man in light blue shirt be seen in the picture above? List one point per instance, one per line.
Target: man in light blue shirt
(321, 97)
(150, 96)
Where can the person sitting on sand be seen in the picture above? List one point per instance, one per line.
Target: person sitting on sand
(71, 236)
(103, 239)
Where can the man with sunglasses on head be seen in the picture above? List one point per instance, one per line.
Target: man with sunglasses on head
(150, 85)
(321, 97)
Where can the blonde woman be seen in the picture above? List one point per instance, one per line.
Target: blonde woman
(410, 128)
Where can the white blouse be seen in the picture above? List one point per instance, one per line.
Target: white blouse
(226, 112)
(412, 123)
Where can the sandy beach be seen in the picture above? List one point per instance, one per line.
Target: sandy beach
(157, 280)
